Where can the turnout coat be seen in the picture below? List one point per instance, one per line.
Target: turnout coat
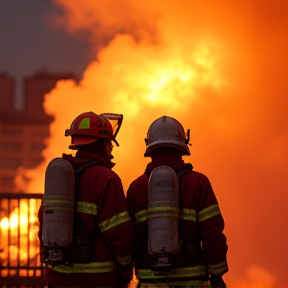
(102, 207)
(203, 244)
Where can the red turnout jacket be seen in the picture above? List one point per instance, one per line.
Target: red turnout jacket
(100, 190)
(200, 226)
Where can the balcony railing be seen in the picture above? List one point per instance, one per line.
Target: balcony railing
(20, 263)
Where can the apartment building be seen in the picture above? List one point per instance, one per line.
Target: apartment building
(23, 133)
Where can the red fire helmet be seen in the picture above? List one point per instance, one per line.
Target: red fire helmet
(89, 127)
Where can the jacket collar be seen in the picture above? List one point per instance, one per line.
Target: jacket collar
(174, 161)
(83, 156)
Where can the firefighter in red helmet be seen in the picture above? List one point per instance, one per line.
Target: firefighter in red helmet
(101, 208)
(187, 233)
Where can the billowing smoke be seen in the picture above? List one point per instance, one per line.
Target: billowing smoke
(221, 69)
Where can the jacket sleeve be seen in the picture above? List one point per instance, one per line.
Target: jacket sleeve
(211, 226)
(117, 227)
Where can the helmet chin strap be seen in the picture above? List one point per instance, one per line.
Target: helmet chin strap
(108, 147)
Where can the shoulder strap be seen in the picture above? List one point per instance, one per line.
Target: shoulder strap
(80, 168)
(180, 173)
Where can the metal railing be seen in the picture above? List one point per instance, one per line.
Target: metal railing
(20, 262)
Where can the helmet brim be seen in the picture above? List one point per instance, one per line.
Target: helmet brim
(81, 140)
(174, 144)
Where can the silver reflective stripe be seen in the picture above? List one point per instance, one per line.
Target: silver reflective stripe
(217, 269)
(180, 272)
(94, 267)
(209, 212)
(86, 207)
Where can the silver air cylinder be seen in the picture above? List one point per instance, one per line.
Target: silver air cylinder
(58, 204)
(163, 211)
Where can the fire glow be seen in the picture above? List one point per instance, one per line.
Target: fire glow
(19, 246)
(208, 64)
(137, 93)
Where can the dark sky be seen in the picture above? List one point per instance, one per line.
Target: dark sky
(30, 43)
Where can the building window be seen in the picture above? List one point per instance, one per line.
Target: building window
(10, 163)
(35, 161)
(7, 182)
(40, 133)
(11, 146)
(37, 147)
(11, 131)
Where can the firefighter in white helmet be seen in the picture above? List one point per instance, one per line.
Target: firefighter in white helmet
(101, 209)
(199, 257)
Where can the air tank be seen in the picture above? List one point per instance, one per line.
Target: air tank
(163, 211)
(58, 204)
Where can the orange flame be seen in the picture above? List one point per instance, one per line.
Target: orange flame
(140, 94)
(21, 227)
(194, 61)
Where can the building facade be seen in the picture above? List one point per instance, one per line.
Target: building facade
(23, 133)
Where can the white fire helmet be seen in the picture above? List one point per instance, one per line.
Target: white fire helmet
(167, 132)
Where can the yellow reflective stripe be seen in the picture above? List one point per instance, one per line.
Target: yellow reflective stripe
(218, 269)
(177, 283)
(180, 272)
(56, 204)
(209, 212)
(94, 267)
(163, 211)
(185, 214)
(188, 215)
(141, 216)
(114, 221)
(86, 207)
(125, 260)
